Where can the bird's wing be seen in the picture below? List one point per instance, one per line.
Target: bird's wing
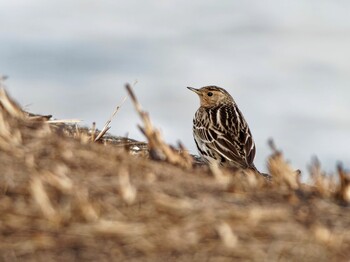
(240, 149)
(228, 134)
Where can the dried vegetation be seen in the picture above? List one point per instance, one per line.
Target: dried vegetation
(66, 195)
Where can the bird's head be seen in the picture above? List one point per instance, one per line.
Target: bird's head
(211, 96)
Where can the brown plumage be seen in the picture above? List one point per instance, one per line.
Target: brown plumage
(220, 131)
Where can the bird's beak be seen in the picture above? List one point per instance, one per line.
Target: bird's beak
(194, 90)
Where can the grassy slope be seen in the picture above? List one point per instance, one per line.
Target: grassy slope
(68, 198)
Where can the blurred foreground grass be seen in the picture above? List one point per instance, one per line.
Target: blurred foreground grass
(65, 197)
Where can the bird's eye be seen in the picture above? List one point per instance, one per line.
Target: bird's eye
(210, 94)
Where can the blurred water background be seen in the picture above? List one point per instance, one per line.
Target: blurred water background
(287, 64)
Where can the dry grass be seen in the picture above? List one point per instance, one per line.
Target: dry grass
(65, 197)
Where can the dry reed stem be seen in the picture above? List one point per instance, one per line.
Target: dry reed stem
(219, 175)
(127, 190)
(106, 126)
(227, 236)
(281, 171)
(323, 184)
(9, 105)
(62, 121)
(344, 188)
(93, 131)
(159, 150)
(42, 199)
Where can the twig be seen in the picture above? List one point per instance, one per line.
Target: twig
(59, 121)
(93, 131)
(107, 127)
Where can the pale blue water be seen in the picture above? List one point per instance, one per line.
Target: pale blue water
(287, 63)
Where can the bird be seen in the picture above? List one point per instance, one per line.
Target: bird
(220, 131)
